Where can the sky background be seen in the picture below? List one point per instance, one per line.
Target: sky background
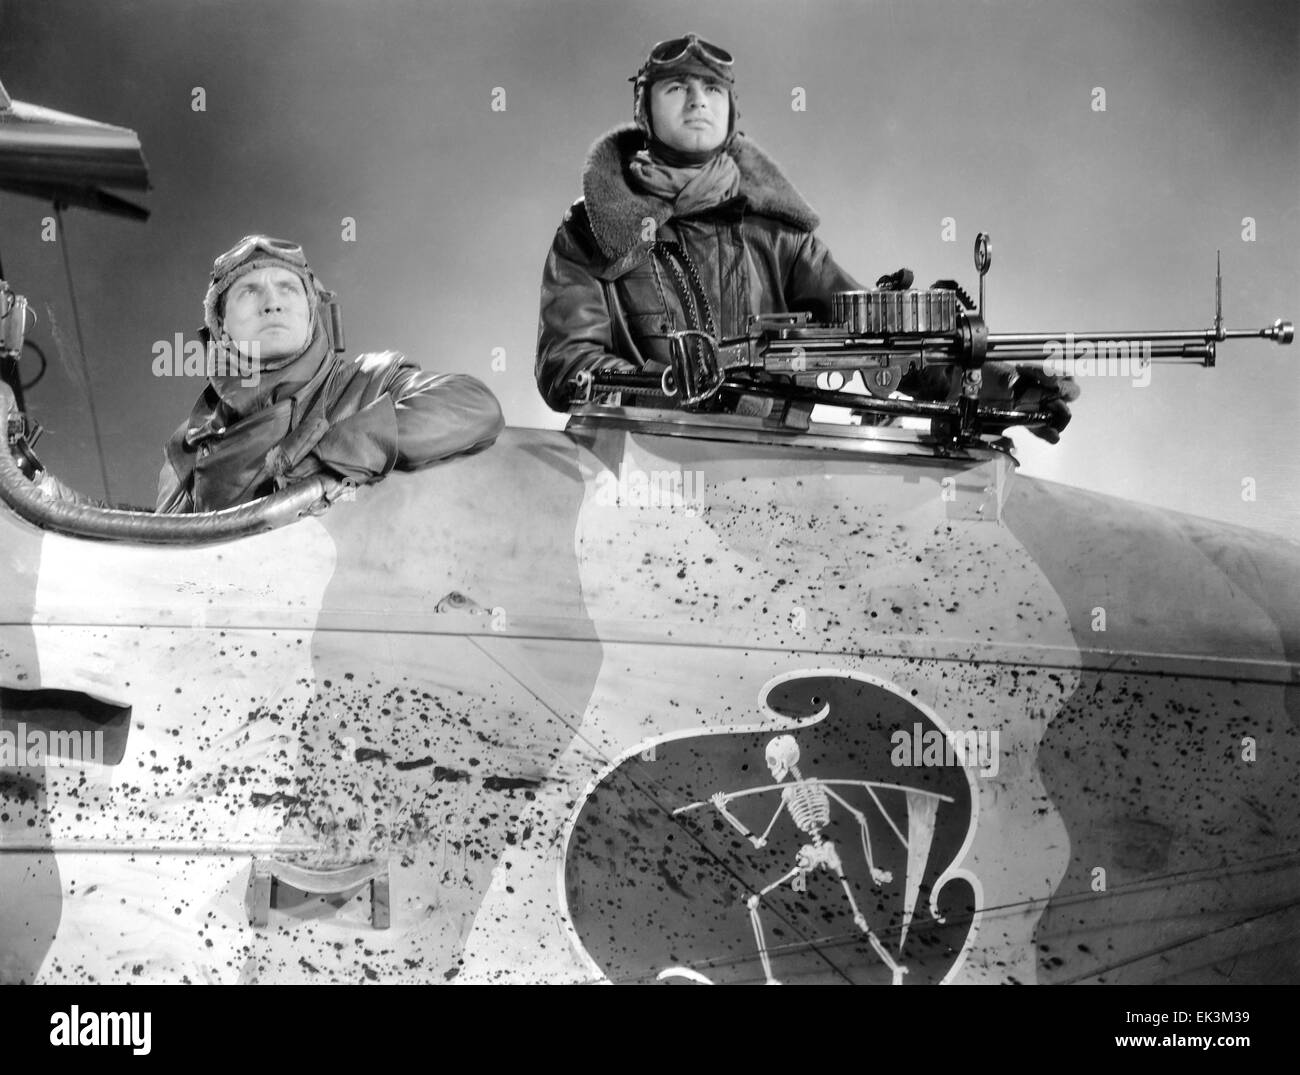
(916, 110)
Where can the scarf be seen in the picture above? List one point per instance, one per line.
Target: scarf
(682, 158)
(688, 189)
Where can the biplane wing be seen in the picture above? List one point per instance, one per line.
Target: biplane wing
(64, 158)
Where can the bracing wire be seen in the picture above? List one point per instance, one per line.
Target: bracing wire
(81, 350)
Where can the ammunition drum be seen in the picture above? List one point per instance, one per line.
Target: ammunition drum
(888, 313)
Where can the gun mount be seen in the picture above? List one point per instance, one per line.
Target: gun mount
(888, 336)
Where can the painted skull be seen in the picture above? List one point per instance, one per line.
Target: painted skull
(782, 755)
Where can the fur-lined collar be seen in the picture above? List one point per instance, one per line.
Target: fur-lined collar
(617, 211)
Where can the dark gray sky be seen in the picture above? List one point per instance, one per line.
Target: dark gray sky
(916, 110)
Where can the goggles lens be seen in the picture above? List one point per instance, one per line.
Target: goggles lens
(673, 50)
(280, 248)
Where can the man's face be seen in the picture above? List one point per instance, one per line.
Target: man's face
(690, 113)
(268, 307)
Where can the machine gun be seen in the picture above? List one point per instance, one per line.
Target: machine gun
(21, 432)
(893, 332)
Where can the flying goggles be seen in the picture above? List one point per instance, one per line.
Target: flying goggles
(237, 254)
(673, 51)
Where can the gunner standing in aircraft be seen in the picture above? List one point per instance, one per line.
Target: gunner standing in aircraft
(686, 224)
(305, 410)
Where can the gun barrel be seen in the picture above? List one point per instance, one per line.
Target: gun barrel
(1027, 354)
(813, 352)
(1280, 331)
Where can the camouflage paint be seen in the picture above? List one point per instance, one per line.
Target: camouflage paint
(444, 670)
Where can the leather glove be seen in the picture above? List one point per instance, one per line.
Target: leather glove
(1029, 389)
(1034, 390)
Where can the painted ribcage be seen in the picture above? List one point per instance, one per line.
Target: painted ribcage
(809, 806)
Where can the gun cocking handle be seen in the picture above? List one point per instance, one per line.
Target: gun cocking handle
(983, 253)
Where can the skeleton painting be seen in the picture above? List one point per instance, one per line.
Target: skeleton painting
(838, 868)
(807, 801)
